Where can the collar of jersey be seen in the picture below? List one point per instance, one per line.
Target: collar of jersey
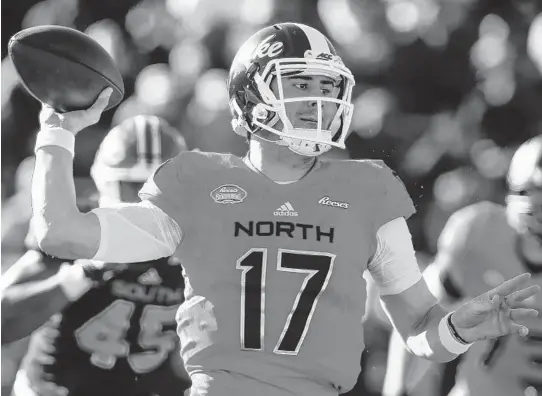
(249, 164)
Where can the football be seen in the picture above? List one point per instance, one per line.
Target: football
(64, 68)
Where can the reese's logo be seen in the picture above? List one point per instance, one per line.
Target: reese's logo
(228, 194)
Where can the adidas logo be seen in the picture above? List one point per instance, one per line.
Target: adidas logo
(285, 210)
(150, 277)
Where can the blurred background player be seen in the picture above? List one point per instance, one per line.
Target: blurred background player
(481, 246)
(112, 329)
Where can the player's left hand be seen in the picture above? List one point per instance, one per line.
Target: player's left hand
(498, 311)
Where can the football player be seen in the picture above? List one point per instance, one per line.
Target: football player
(111, 329)
(481, 246)
(274, 244)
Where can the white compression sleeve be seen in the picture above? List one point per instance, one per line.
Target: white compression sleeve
(394, 267)
(135, 233)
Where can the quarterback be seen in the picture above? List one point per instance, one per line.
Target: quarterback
(481, 246)
(104, 329)
(273, 245)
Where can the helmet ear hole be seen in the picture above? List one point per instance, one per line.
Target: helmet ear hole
(259, 112)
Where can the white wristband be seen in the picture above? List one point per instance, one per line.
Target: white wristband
(56, 137)
(73, 281)
(448, 340)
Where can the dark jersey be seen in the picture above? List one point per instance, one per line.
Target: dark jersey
(116, 339)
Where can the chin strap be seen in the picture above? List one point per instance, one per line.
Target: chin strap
(306, 147)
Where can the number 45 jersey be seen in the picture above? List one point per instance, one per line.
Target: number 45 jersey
(274, 282)
(117, 339)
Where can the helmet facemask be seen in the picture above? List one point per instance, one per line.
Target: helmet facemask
(271, 109)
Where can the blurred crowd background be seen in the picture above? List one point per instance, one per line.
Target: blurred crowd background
(446, 90)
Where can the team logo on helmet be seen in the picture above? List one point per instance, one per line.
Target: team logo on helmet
(228, 194)
(326, 56)
(269, 49)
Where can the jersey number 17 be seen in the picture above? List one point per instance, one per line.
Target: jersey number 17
(317, 266)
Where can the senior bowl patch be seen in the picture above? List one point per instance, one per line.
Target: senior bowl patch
(228, 194)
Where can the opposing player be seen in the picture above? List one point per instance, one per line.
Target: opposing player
(112, 330)
(480, 247)
(274, 244)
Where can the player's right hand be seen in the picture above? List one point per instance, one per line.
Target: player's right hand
(75, 121)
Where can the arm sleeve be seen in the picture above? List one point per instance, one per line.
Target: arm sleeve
(394, 267)
(136, 232)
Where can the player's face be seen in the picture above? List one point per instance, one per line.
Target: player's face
(304, 114)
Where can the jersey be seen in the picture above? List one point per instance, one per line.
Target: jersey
(273, 272)
(478, 250)
(116, 339)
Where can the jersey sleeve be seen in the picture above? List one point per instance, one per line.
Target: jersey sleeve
(394, 267)
(392, 200)
(135, 233)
